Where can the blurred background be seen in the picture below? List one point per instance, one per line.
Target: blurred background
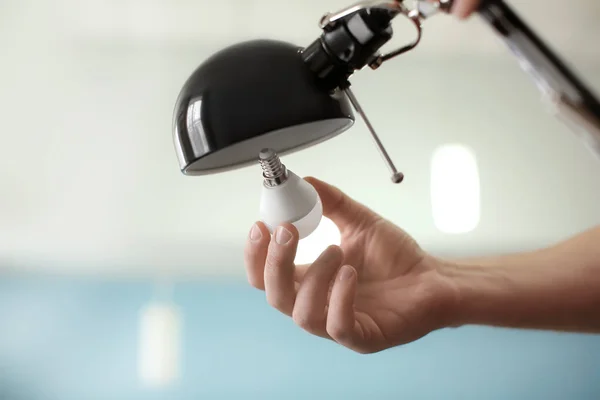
(120, 278)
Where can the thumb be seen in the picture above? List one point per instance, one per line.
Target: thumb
(345, 212)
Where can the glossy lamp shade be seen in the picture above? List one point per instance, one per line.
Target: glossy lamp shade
(254, 95)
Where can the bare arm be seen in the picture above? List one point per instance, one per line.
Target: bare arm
(557, 288)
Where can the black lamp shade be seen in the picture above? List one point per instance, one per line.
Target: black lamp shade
(248, 97)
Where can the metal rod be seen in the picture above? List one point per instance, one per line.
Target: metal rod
(397, 177)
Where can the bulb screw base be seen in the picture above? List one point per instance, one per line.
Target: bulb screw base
(274, 172)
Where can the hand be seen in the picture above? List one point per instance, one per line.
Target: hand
(464, 8)
(376, 291)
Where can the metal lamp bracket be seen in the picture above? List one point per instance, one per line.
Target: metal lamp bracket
(421, 10)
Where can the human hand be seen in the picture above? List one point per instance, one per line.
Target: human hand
(464, 8)
(377, 290)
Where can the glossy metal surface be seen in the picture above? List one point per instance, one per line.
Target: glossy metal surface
(331, 18)
(274, 171)
(254, 95)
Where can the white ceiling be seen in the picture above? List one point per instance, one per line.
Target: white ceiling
(89, 182)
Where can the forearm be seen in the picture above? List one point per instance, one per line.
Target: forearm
(557, 288)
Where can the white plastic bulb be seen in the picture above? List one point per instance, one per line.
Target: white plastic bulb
(286, 198)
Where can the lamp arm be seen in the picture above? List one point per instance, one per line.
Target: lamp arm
(570, 99)
(352, 38)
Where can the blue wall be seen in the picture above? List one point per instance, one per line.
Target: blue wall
(63, 339)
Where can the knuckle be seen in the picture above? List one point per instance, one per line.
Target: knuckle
(273, 262)
(278, 302)
(308, 322)
(337, 332)
(363, 351)
(346, 338)
(251, 249)
(256, 283)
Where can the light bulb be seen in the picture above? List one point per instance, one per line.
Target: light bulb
(325, 235)
(287, 198)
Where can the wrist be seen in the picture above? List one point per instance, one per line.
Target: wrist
(483, 294)
(554, 288)
(454, 304)
(524, 291)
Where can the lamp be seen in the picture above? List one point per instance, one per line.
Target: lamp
(269, 94)
(251, 96)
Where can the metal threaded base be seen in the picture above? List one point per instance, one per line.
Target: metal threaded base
(274, 172)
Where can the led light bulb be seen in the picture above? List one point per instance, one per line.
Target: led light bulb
(287, 198)
(312, 247)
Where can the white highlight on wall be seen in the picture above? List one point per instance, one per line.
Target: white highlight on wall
(159, 345)
(309, 248)
(455, 189)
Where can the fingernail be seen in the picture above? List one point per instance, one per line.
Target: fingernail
(346, 273)
(283, 236)
(255, 233)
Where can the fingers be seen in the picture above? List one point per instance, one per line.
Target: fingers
(279, 269)
(341, 321)
(464, 8)
(270, 266)
(344, 211)
(255, 254)
(311, 301)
